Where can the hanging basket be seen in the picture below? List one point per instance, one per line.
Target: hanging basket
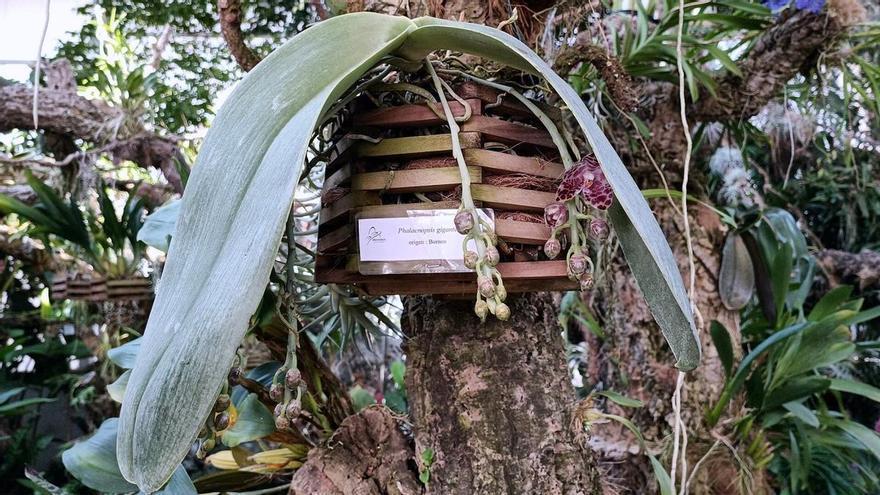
(95, 288)
(396, 162)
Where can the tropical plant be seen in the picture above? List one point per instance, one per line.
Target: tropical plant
(104, 238)
(795, 371)
(218, 209)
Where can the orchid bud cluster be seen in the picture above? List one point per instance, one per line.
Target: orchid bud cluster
(582, 195)
(222, 415)
(491, 293)
(286, 390)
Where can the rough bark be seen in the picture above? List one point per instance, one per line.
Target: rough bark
(494, 401)
(618, 82)
(779, 54)
(367, 455)
(25, 250)
(62, 112)
(635, 360)
(230, 26)
(861, 270)
(152, 194)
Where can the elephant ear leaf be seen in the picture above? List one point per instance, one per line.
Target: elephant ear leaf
(230, 224)
(644, 244)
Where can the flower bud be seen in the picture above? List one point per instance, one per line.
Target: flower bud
(485, 286)
(502, 312)
(234, 375)
(293, 409)
(464, 221)
(279, 410)
(292, 379)
(470, 259)
(276, 392)
(577, 264)
(501, 292)
(492, 255)
(555, 214)
(552, 248)
(208, 445)
(221, 421)
(281, 422)
(481, 309)
(222, 403)
(599, 229)
(586, 281)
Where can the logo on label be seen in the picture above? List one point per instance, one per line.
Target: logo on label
(374, 235)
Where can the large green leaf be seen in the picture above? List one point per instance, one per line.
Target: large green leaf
(230, 225)
(254, 421)
(159, 226)
(858, 388)
(116, 390)
(644, 244)
(723, 344)
(866, 436)
(736, 279)
(93, 462)
(125, 355)
(247, 169)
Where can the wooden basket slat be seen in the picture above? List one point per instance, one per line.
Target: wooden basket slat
(408, 181)
(518, 277)
(338, 178)
(129, 283)
(416, 146)
(341, 154)
(522, 232)
(340, 208)
(399, 210)
(335, 240)
(413, 115)
(505, 163)
(461, 288)
(510, 198)
(508, 132)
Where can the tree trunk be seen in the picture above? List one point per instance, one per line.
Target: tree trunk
(634, 359)
(494, 401)
(368, 455)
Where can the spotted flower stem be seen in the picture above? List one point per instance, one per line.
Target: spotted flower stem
(280, 382)
(480, 231)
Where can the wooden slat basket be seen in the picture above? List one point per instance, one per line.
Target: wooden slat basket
(95, 288)
(399, 157)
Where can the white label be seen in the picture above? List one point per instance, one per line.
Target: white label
(425, 235)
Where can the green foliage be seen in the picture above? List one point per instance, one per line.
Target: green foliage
(93, 462)
(104, 238)
(360, 398)
(395, 392)
(714, 35)
(9, 407)
(191, 71)
(254, 421)
(427, 459)
(790, 384)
